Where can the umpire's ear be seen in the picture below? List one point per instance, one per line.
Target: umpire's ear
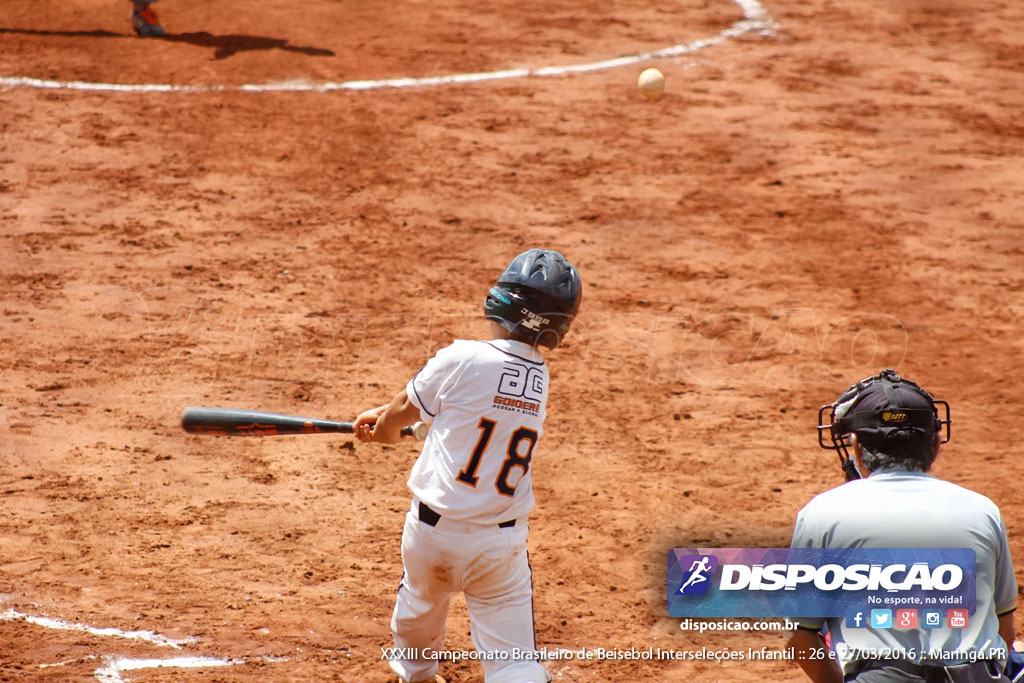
(858, 454)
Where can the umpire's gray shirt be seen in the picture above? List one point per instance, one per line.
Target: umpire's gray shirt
(901, 509)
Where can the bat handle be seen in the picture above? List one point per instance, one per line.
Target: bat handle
(418, 431)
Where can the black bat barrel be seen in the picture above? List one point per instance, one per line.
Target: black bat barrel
(238, 422)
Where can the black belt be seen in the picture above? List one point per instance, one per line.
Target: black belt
(431, 518)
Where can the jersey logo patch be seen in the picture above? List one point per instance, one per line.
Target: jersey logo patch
(520, 388)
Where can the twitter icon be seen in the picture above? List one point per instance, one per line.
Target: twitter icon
(881, 618)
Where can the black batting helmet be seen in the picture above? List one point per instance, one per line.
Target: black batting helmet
(536, 297)
(887, 412)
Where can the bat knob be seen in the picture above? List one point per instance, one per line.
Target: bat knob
(419, 431)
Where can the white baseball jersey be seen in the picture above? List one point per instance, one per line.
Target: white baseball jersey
(901, 509)
(486, 405)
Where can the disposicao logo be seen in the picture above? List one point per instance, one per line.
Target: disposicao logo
(817, 582)
(830, 577)
(696, 581)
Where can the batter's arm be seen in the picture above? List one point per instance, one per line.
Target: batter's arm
(809, 646)
(384, 423)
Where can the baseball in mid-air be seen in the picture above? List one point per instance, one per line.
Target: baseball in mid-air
(651, 83)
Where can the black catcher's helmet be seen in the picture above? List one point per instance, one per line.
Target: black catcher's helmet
(536, 297)
(885, 411)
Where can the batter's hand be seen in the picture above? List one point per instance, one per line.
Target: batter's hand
(384, 424)
(362, 426)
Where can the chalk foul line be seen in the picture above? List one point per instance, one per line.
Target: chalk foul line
(110, 671)
(60, 625)
(755, 20)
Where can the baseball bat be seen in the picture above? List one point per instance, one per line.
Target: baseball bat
(239, 422)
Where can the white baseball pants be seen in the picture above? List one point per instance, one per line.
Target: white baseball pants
(489, 565)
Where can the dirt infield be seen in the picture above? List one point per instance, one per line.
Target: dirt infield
(800, 209)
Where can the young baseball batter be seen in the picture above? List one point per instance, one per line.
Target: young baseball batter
(472, 494)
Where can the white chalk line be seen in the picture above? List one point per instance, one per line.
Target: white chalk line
(68, 661)
(60, 625)
(755, 20)
(111, 670)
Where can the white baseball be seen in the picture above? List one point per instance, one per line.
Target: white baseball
(651, 83)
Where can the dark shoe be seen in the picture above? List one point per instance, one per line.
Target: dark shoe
(146, 24)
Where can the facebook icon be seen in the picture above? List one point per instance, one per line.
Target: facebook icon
(855, 619)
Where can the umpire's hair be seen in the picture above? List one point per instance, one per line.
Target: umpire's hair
(904, 456)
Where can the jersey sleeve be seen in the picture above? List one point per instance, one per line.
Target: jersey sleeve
(1005, 595)
(426, 389)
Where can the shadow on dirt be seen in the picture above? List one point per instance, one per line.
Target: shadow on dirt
(224, 46)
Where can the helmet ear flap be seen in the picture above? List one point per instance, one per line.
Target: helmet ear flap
(549, 338)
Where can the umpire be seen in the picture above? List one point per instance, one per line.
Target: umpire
(893, 428)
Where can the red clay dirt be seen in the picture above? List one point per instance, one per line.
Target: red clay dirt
(798, 211)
